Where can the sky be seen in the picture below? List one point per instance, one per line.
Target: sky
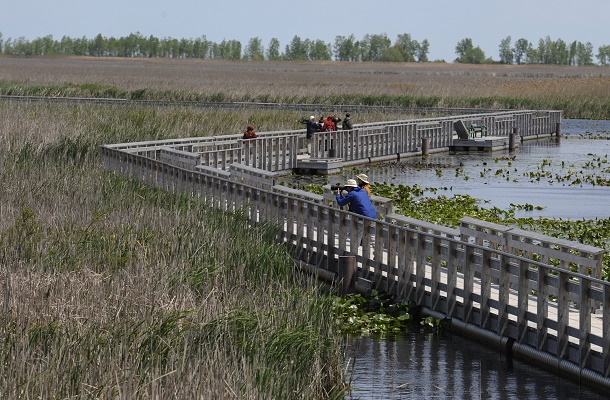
(443, 23)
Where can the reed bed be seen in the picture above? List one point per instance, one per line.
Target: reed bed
(112, 289)
(582, 92)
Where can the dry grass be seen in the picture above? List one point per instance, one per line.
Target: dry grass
(581, 92)
(310, 79)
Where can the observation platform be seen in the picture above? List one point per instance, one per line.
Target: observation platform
(485, 144)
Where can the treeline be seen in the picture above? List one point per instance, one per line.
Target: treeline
(369, 48)
(549, 52)
(375, 47)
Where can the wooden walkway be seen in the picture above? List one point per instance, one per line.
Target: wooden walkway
(538, 297)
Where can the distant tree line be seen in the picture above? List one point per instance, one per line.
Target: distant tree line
(548, 51)
(371, 47)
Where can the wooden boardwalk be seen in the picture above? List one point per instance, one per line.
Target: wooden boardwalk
(540, 298)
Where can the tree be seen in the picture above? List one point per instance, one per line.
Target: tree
(572, 57)
(234, 50)
(585, 53)
(319, 51)
(603, 55)
(407, 47)
(373, 46)
(273, 53)
(531, 55)
(297, 50)
(393, 54)
(468, 54)
(520, 50)
(506, 53)
(422, 52)
(254, 50)
(201, 47)
(561, 54)
(346, 48)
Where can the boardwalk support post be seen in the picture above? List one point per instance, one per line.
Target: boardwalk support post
(558, 129)
(347, 270)
(425, 147)
(511, 141)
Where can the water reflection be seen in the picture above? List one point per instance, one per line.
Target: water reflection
(448, 366)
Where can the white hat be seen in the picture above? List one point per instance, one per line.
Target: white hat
(312, 117)
(351, 183)
(363, 178)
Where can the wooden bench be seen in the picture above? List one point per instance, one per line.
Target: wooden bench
(465, 132)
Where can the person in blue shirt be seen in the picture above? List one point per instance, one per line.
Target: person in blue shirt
(357, 199)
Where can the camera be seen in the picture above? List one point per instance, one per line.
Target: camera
(335, 188)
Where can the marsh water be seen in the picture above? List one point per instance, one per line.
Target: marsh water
(546, 173)
(421, 365)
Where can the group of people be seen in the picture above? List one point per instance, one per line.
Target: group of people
(326, 125)
(330, 124)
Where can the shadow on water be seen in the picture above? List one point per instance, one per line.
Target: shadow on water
(422, 365)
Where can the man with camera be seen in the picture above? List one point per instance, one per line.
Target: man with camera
(357, 199)
(359, 202)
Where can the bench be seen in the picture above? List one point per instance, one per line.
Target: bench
(465, 132)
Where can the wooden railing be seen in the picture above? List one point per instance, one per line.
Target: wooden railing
(278, 151)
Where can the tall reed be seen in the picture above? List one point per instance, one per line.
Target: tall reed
(110, 288)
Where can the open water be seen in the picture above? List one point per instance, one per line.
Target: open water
(421, 365)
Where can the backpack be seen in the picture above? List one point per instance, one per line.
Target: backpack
(329, 126)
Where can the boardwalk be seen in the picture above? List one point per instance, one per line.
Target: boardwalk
(538, 297)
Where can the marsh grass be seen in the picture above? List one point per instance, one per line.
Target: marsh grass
(581, 92)
(111, 288)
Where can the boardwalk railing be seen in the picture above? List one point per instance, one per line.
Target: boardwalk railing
(541, 298)
(278, 151)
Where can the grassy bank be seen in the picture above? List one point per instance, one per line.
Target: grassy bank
(114, 289)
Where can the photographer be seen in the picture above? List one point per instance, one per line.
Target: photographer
(357, 199)
(359, 203)
(312, 127)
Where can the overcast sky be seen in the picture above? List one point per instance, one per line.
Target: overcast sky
(442, 22)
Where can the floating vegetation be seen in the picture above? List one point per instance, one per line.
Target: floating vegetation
(374, 313)
(428, 204)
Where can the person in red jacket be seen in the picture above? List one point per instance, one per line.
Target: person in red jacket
(249, 133)
(329, 125)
